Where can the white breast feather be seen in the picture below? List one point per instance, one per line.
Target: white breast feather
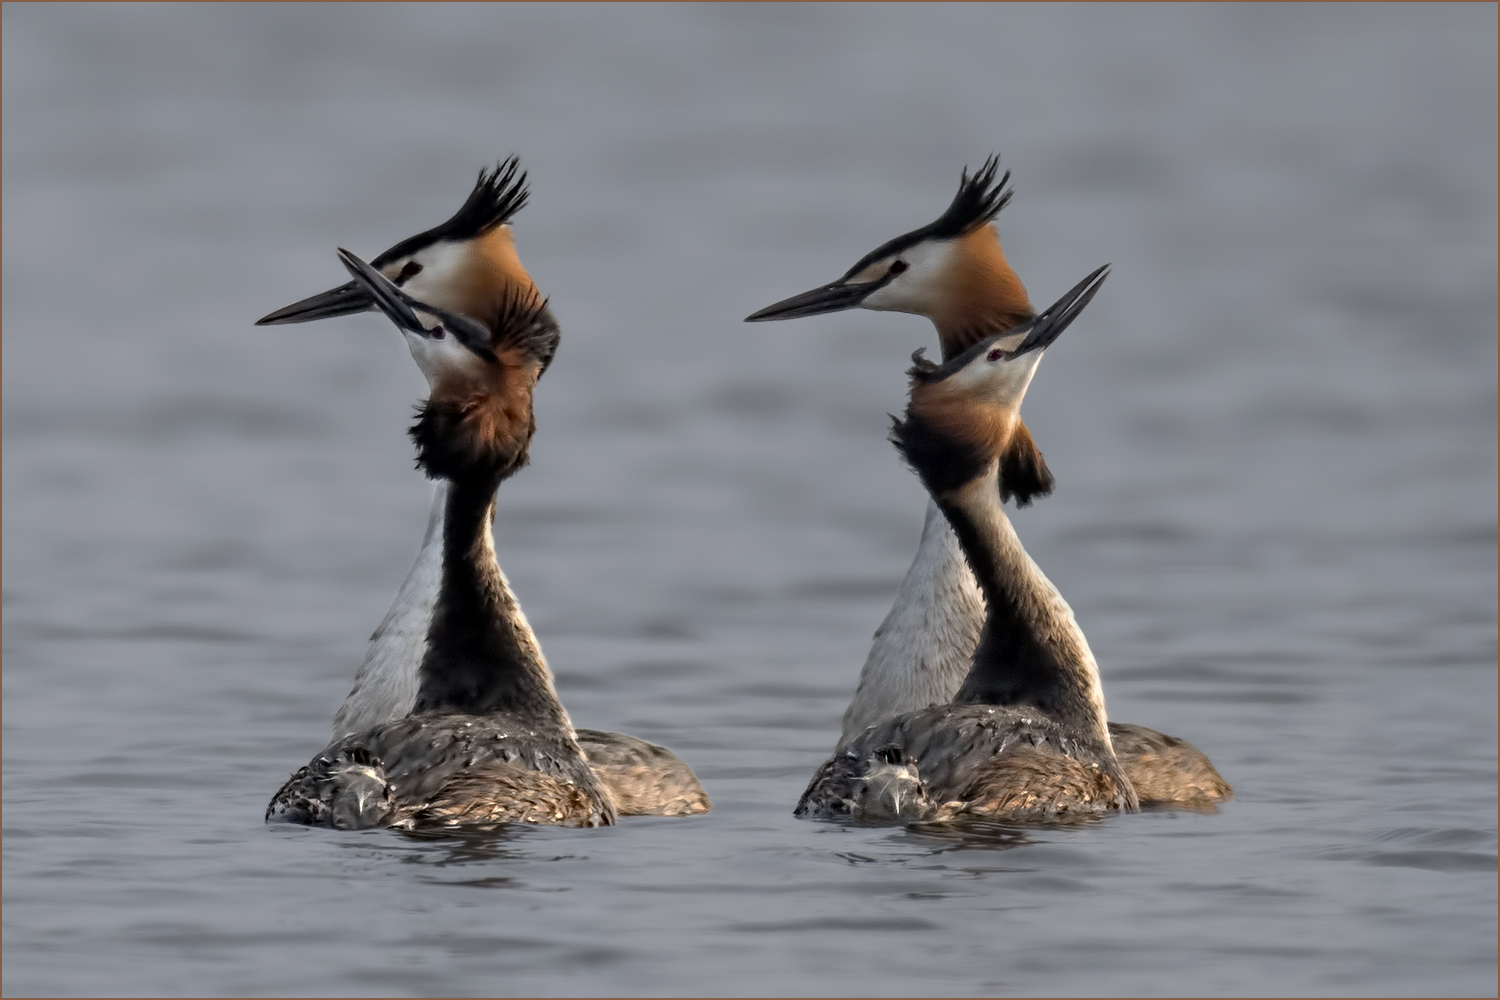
(923, 649)
(385, 687)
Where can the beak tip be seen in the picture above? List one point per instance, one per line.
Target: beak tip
(831, 298)
(344, 300)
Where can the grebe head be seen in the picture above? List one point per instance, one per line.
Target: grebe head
(951, 270)
(478, 417)
(964, 415)
(466, 265)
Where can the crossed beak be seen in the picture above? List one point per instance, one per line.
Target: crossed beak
(401, 309)
(1056, 318)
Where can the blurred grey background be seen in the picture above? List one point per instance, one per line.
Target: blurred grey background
(1273, 433)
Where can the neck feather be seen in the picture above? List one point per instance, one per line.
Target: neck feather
(984, 295)
(1031, 651)
(481, 654)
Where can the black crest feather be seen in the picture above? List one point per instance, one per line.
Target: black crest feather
(497, 196)
(980, 198)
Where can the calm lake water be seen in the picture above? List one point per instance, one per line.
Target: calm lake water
(1273, 433)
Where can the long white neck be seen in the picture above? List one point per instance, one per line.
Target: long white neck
(385, 686)
(923, 650)
(925, 647)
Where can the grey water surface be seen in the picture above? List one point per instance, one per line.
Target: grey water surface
(1273, 434)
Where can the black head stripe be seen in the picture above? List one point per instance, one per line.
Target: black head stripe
(924, 372)
(979, 199)
(497, 196)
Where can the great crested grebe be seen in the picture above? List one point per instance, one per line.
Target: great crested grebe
(469, 266)
(1025, 737)
(487, 742)
(953, 272)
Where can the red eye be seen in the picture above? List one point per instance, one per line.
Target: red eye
(411, 268)
(897, 267)
(437, 333)
(994, 355)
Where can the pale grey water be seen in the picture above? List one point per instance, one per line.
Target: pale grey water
(1274, 436)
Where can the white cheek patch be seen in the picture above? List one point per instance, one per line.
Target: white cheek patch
(1002, 382)
(418, 345)
(439, 282)
(1016, 376)
(918, 289)
(441, 358)
(885, 299)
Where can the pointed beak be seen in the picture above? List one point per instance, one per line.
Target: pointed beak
(341, 301)
(1055, 318)
(401, 309)
(834, 297)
